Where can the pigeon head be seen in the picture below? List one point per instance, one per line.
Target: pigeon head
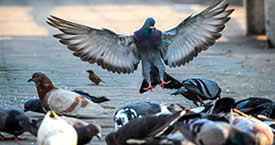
(238, 137)
(43, 84)
(40, 78)
(94, 130)
(149, 26)
(124, 116)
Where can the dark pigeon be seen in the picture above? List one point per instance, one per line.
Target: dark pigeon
(223, 105)
(256, 106)
(13, 121)
(122, 53)
(141, 128)
(199, 89)
(92, 98)
(137, 110)
(162, 140)
(34, 105)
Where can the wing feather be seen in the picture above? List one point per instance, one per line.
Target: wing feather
(195, 34)
(111, 51)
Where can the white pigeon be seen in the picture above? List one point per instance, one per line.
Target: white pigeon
(56, 131)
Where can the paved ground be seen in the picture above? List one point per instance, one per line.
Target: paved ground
(241, 65)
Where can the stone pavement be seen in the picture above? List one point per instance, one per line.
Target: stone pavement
(241, 65)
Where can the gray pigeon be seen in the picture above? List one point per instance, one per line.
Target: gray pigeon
(13, 121)
(199, 89)
(122, 54)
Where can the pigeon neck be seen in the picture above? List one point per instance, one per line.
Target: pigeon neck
(43, 87)
(147, 32)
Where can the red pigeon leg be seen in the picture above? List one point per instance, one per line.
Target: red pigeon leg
(150, 87)
(6, 138)
(20, 138)
(201, 101)
(164, 83)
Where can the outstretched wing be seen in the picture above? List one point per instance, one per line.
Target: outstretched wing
(109, 50)
(194, 34)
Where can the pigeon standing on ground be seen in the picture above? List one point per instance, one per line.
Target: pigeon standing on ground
(12, 121)
(199, 89)
(34, 105)
(56, 131)
(93, 77)
(122, 54)
(137, 110)
(62, 101)
(85, 131)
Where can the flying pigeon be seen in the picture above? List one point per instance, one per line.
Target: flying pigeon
(155, 80)
(56, 131)
(199, 89)
(13, 121)
(122, 53)
(62, 101)
(137, 110)
(141, 128)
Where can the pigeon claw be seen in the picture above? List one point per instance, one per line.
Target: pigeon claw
(150, 87)
(164, 83)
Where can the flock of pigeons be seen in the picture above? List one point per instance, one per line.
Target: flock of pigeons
(222, 122)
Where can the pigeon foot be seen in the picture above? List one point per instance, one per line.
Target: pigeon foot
(20, 138)
(164, 83)
(201, 101)
(150, 87)
(11, 138)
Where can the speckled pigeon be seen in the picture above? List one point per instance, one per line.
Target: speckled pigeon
(145, 127)
(199, 89)
(132, 111)
(122, 54)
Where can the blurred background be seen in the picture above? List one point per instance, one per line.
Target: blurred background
(242, 64)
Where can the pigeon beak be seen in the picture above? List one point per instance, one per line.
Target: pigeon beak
(99, 136)
(30, 80)
(151, 28)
